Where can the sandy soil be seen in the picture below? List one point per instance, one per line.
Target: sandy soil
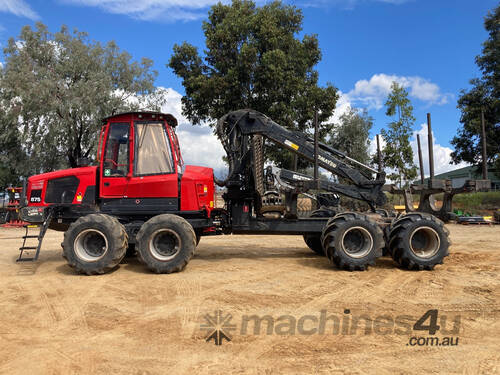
(134, 322)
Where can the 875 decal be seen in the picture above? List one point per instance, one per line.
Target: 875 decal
(429, 323)
(36, 196)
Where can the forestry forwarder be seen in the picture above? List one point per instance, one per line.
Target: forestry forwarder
(141, 194)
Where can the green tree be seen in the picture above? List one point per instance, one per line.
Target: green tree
(351, 134)
(484, 94)
(58, 87)
(12, 157)
(397, 152)
(254, 59)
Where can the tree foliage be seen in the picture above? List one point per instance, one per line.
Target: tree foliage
(58, 87)
(12, 157)
(484, 94)
(397, 152)
(254, 59)
(352, 134)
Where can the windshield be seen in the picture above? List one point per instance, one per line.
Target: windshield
(153, 154)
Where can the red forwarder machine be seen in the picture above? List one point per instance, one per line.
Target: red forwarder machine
(142, 195)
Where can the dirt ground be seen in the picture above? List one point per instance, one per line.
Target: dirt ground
(134, 322)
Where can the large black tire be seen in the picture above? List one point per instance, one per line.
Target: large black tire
(352, 241)
(418, 241)
(166, 243)
(95, 244)
(313, 241)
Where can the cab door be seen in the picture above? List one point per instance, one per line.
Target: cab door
(154, 180)
(115, 161)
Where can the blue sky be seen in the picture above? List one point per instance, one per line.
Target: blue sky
(429, 46)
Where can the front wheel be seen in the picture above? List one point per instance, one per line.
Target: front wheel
(95, 244)
(166, 243)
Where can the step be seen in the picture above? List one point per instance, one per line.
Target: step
(28, 248)
(30, 236)
(26, 259)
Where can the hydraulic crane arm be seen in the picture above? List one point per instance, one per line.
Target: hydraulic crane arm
(290, 178)
(241, 134)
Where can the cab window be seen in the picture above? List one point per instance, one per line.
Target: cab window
(116, 154)
(153, 154)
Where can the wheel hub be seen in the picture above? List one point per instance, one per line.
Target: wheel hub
(90, 245)
(424, 242)
(357, 242)
(165, 244)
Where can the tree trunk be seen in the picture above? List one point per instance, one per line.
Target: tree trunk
(72, 160)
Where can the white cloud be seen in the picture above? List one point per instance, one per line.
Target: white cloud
(19, 8)
(164, 10)
(343, 106)
(373, 93)
(188, 10)
(345, 4)
(395, 2)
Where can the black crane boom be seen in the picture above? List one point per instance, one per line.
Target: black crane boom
(242, 131)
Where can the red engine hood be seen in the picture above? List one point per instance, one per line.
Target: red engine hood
(86, 177)
(63, 173)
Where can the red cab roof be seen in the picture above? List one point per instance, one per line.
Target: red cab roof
(143, 115)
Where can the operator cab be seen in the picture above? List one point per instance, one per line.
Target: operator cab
(139, 156)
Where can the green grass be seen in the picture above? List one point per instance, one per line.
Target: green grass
(478, 201)
(471, 203)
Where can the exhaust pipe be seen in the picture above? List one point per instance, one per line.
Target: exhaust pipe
(23, 201)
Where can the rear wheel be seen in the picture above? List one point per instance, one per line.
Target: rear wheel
(95, 244)
(313, 241)
(352, 241)
(418, 241)
(166, 243)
